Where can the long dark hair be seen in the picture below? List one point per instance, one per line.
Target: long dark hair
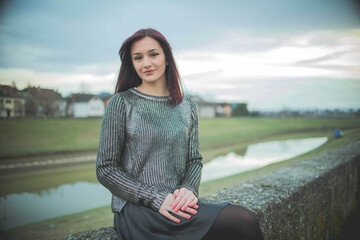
(128, 77)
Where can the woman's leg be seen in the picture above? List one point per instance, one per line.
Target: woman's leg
(235, 223)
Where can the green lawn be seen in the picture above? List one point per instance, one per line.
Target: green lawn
(32, 136)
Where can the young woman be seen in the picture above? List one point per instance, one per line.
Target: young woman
(149, 157)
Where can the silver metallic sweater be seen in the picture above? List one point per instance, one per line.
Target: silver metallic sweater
(148, 148)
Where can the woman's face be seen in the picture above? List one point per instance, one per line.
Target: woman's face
(149, 60)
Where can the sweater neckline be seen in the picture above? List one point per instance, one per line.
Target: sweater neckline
(153, 97)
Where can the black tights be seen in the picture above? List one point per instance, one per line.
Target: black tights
(235, 223)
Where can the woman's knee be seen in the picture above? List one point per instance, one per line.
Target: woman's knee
(251, 218)
(249, 224)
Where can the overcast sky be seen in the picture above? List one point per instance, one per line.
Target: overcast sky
(272, 54)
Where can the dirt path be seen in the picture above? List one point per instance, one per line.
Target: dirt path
(45, 161)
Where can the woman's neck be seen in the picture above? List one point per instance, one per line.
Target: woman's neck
(154, 89)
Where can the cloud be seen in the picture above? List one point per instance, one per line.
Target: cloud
(300, 93)
(341, 51)
(240, 40)
(324, 54)
(65, 83)
(315, 69)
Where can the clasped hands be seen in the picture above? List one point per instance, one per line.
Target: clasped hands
(180, 203)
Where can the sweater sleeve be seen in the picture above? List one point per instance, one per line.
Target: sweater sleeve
(191, 180)
(108, 171)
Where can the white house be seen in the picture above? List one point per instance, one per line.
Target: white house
(205, 109)
(12, 103)
(86, 105)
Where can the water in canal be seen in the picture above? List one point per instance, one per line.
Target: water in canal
(258, 155)
(23, 208)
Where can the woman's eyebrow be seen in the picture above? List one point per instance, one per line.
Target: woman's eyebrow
(152, 50)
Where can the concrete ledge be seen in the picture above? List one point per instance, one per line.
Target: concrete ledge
(101, 234)
(308, 200)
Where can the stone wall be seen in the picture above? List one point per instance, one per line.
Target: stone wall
(308, 200)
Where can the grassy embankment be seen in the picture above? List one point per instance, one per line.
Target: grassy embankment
(36, 136)
(217, 137)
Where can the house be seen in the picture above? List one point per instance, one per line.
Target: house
(205, 109)
(12, 102)
(105, 97)
(44, 102)
(224, 110)
(85, 105)
(231, 109)
(211, 110)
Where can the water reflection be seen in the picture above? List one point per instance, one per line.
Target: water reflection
(24, 208)
(258, 155)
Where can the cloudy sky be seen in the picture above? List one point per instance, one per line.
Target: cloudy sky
(272, 54)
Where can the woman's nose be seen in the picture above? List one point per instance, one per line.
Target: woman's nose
(147, 62)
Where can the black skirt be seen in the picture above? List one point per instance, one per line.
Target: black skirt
(136, 222)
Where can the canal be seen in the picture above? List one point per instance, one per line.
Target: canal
(24, 208)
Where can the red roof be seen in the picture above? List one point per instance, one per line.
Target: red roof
(40, 93)
(82, 97)
(7, 91)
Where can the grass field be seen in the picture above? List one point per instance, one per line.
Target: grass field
(34, 136)
(217, 136)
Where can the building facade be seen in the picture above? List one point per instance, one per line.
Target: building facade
(12, 102)
(85, 105)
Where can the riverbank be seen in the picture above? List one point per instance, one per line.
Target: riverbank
(41, 178)
(101, 217)
(24, 137)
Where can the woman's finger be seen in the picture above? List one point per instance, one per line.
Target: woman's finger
(190, 210)
(178, 198)
(176, 192)
(188, 202)
(194, 202)
(182, 214)
(186, 199)
(181, 203)
(169, 216)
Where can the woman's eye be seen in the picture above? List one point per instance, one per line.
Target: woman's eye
(137, 58)
(154, 54)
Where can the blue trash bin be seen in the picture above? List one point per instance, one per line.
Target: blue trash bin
(338, 133)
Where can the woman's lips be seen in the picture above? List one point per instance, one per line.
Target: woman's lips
(149, 72)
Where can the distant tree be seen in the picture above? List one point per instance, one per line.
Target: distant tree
(240, 109)
(357, 113)
(255, 114)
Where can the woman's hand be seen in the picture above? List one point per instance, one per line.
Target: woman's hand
(167, 208)
(184, 199)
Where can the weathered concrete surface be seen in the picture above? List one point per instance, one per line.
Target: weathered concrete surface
(101, 234)
(308, 200)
